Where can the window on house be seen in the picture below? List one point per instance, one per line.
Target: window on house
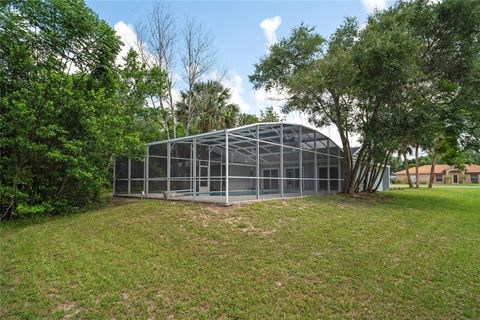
(474, 177)
(438, 178)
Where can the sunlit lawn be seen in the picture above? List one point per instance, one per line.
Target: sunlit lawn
(403, 254)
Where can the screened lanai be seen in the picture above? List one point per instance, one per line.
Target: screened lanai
(259, 161)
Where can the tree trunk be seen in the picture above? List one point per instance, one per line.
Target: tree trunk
(355, 172)
(383, 172)
(417, 183)
(432, 169)
(172, 110)
(347, 160)
(405, 164)
(362, 173)
(372, 177)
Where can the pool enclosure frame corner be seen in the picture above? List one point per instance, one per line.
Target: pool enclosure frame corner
(253, 162)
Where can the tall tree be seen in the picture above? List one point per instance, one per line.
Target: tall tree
(448, 35)
(246, 119)
(365, 82)
(319, 77)
(197, 57)
(158, 44)
(139, 85)
(269, 115)
(60, 121)
(211, 108)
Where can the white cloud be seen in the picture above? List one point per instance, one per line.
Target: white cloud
(269, 26)
(272, 98)
(234, 82)
(128, 36)
(130, 39)
(372, 5)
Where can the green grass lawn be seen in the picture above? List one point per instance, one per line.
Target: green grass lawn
(402, 254)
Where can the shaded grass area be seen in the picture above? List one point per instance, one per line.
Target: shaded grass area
(402, 254)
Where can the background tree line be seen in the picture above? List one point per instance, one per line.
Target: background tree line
(407, 80)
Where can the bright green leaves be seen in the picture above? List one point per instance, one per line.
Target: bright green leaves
(407, 77)
(211, 105)
(61, 120)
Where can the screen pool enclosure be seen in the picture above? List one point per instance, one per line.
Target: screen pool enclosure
(259, 161)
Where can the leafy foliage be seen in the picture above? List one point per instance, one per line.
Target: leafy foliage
(407, 79)
(140, 87)
(61, 122)
(211, 108)
(270, 115)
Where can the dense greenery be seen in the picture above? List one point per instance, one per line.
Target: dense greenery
(61, 120)
(410, 77)
(406, 81)
(404, 254)
(211, 108)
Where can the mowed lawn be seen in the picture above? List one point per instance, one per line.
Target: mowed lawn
(403, 254)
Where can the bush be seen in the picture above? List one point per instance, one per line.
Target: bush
(59, 129)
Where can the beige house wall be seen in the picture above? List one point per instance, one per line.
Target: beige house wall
(468, 178)
(424, 178)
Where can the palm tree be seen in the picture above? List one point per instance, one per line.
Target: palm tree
(404, 150)
(211, 110)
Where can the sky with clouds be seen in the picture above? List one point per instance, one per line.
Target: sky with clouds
(243, 32)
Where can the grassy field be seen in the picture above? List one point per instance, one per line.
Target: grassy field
(402, 254)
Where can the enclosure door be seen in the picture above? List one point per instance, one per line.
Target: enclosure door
(204, 179)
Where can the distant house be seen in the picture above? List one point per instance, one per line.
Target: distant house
(443, 174)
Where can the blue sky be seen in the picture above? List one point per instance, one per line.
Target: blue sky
(238, 36)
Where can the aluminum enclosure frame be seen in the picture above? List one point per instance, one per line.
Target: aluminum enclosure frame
(254, 162)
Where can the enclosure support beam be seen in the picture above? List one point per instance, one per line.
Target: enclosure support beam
(146, 174)
(194, 169)
(338, 175)
(226, 166)
(328, 166)
(129, 175)
(208, 171)
(281, 161)
(300, 170)
(114, 172)
(168, 168)
(315, 174)
(258, 163)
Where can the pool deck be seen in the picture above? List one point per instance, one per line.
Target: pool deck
(220, 199)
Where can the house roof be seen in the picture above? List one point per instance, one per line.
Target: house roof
(440, 168)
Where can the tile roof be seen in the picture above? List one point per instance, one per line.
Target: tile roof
(441, 168)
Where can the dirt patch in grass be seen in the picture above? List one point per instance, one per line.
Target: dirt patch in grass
(369, 196)
(363, 199)
(69, 309)
(123, 200)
